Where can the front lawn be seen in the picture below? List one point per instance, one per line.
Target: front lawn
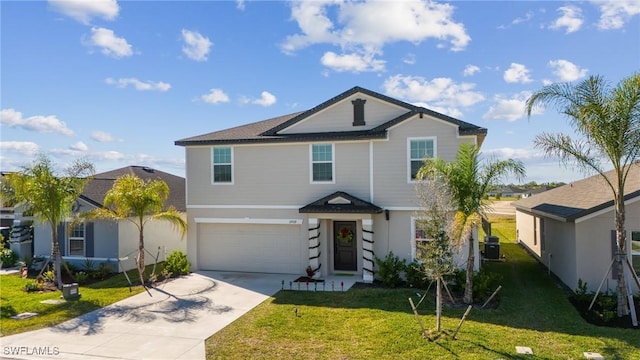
(14, 300)
(378, 324)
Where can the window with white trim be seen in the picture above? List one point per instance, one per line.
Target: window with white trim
(77, 240)
(419, 236)
(222, 167)
(635, 251)
(322, 163)
(419, 149)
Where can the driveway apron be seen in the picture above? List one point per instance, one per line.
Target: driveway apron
(171, 324)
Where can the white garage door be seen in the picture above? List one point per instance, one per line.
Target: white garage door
(252, 248)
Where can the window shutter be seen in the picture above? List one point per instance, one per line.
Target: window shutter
(62, 238)
(88, 240)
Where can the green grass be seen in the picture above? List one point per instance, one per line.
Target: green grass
(14, 300)
(378, 323)
(502, 226)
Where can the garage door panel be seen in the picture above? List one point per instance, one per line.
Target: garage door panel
(251, 248)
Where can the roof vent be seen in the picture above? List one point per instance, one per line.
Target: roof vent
(358, 112)
(148, 169)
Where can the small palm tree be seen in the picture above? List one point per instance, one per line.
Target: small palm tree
(468, 182)
(607, 123)
(138, 201)
(48, 196)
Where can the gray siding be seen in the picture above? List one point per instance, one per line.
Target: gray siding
(339, 117)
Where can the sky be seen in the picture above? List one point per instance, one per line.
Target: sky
(117, 83)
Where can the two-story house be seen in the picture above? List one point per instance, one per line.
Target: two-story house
(331, 187)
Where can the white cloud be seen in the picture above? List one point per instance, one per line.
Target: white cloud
(215, 96)
(566, 70)
(83, 10)
(439, 93)
(366, 27)
(470, 70)
(510, 109)
(571, 19)
(614, 14)
(79, 146)
(101, 136)
(528, 16)
(409, 59)
(517, 73)
(38, 123)
(196, 46)
(139, 85)
(512, 153)
(352, 62)
(266, 99)
(109, 43)
(240, 5)
(27, 148)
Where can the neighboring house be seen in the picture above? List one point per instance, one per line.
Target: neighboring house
(331, 187)
(533, 191)
(107, 240)
(506, 192)
(570, 229)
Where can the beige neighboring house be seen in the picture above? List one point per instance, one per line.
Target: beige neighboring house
(330, 187)
(571, 229)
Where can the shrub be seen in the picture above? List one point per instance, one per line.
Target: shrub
(390, 270)
(484, 283)
(81, 277)
(32, 286)
(415, 276)
(8, 258)
(101, 272)
(49, 276)
(177, 263)
(88, 265)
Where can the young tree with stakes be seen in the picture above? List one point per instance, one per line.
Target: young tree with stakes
(468, 181)
(435, 256)
(138, 201)
(48, 196)
(607, 124)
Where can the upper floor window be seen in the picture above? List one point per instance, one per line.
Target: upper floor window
(322, 163)
(77, 240)
(419, 149)
(222, 165)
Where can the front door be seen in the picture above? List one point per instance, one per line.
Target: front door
(345, 250)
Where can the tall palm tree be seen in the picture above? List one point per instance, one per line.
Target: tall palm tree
(606, 121)
(48, 196)
(468, 181)
(138, 201)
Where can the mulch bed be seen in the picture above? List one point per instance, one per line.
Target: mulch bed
(593, 316)
(306, 279)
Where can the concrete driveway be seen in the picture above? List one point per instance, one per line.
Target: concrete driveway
(171, 324)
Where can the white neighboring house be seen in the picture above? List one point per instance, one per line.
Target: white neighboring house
(571, 229)
(105, 241)
(330, 188)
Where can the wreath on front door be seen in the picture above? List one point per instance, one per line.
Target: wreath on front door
(345, 236)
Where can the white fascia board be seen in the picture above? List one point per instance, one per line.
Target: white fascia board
(606, 210)
(199, 220)
(260, 207)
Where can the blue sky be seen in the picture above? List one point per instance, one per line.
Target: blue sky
(118, 82)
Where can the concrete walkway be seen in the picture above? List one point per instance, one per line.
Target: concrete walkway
(172, 324)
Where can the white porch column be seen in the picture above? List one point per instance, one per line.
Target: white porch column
(367, 250)
(314, 245)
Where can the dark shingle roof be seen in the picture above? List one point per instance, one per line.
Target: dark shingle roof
(354, 205)
(581, 198)
(96, 189)
(267, 130)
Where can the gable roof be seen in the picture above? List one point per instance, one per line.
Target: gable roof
(581, 198)
(341, 202)
(95, 190)
(268, 130)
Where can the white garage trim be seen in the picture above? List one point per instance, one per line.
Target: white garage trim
(248, 221)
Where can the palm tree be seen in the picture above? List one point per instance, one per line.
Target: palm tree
(48, 196)
(138, 201)
(468, 182)
(607, 123)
